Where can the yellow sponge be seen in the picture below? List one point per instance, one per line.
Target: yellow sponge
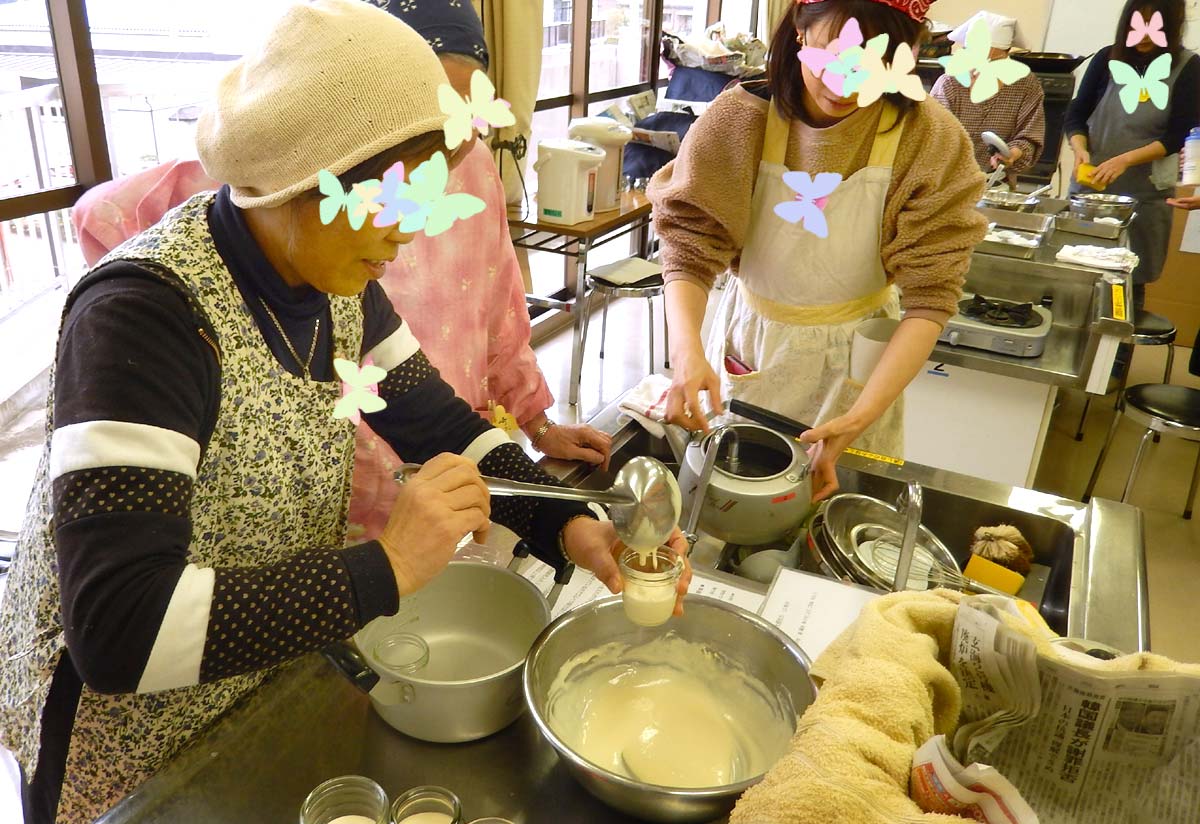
(987, 572)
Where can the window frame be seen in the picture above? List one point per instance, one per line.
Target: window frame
(76, 62)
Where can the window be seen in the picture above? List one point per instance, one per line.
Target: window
(38, 254)
(556, 48)
(738, 15)
(157, 65)
(620, 44)
(685, 17)
(33, 125)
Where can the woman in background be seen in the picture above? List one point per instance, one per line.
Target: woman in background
(1132, 152)
(904, 215)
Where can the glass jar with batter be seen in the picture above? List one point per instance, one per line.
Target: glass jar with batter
(650, 579)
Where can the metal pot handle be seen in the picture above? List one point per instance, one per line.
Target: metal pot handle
(344, 656)
(562, 574)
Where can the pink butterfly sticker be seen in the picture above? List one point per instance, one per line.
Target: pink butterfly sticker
(818, 60)
(1139, 30)
(812, 194)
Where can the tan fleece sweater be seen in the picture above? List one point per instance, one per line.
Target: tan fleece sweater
(930, 226)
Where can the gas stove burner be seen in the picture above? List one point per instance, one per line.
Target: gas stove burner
(1001, 326)
(1000, 313)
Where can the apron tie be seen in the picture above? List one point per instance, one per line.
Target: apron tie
(830, 314)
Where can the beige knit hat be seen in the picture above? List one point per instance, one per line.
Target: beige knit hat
(335, 83)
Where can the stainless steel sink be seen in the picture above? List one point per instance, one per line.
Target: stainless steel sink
(1089, 576)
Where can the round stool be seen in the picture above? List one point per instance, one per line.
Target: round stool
(1149, 329)
(1171, 411)
(648, 288)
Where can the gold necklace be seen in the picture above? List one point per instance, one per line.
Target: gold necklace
(312, 350)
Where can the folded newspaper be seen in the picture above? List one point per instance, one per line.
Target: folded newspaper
(1080, 743)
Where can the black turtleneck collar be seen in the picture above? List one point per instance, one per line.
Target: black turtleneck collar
(256, 278)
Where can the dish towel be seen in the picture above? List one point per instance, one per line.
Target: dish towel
(1102, 257)
(646, 403)
(886, 690)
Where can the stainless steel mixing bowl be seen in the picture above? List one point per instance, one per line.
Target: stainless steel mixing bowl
(1092, 205)
(764, 651)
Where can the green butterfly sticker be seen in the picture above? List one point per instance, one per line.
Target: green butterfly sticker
(1136, 88)
(436, 211)
(360, 201)
(972, 58)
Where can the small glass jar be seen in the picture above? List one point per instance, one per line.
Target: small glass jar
(427, 805)
(347, 799)
(402, 653)
(649, 591)
(491, 820)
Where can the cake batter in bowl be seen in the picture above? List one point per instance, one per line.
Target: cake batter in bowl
(672, 723)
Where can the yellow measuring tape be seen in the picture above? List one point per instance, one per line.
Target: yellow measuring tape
(1118, 293)
(872, 456)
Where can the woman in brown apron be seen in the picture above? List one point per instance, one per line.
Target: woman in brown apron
(903, 216)
(185, 534)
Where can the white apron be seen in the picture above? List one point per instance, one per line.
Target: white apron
(791, 312)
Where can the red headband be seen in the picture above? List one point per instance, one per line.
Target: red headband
(916, 9)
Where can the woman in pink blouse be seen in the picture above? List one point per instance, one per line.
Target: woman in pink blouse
(461, 292)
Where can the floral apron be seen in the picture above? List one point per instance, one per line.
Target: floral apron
(274, 480)
(798, 298)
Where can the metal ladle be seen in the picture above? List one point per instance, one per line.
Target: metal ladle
(644, 502)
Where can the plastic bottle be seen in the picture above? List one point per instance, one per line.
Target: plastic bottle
(1190, 169)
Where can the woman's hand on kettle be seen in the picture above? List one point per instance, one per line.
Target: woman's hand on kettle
(443, 501)
(1110, 170)
(829, 441)
(576, 442)
(692, 375)
(594, 546)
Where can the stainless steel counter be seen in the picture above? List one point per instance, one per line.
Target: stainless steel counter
(1082, 311)
(309, 723)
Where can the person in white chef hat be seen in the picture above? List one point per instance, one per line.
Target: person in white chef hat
(1016, 114)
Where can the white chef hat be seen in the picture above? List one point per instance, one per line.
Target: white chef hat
(1003, 29)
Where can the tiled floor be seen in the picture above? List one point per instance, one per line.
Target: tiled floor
(1172, 544)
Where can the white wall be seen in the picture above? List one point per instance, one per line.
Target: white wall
(1032, 15)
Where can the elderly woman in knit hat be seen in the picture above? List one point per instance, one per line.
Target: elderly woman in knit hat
(1016, 113)
(185, 532)
(461, 292)
(813, 263)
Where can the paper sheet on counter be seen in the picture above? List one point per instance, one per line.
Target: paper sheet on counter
(585, 588)
(813, 610)
(1191, 234)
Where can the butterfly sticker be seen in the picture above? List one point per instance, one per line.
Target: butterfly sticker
(819, 60)
(360, 201)
(849, 64)
(433, 210)
(1136, 88)
(393, 206)
(1139, 30)
(896, 78)
(480, 111)
(972, 59)
(808, 207)
(360, 389)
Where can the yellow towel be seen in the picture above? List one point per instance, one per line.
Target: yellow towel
(886, 690)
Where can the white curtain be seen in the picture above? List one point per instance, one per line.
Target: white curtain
(513, 29)
(769, 13)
